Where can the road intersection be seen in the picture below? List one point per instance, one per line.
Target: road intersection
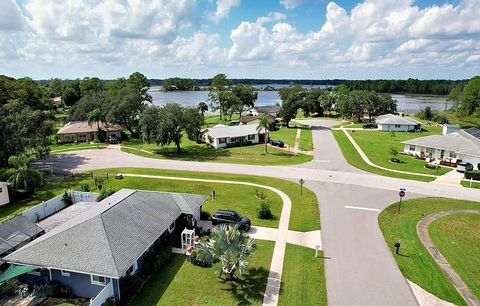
(360, 268)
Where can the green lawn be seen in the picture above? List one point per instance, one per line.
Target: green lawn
(457, 237)
(191, 151)
(303, 278)
(354, 159)
(305, 215)
(416, 263)
(212, 120)
(60, 148)
(471, 185)
(182, 283)
(306, 142)
(287, 135)
(376, 145)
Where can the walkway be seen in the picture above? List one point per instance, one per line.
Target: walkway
(275, 275)
(455, 279)
(450, 178)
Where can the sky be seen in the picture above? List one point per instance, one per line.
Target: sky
(275, 39)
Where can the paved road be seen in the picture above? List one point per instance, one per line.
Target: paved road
(327, 153)
(359, 267)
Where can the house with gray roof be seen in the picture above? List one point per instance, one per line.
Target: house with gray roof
(222, 136)
(463, 145)
(81, 131)
(92, 252)
(397, 123)
(272, 110)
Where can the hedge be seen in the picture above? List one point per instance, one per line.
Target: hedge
(475, 175)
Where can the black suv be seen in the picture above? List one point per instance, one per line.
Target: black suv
(113, 139)
(231, 217)
(277, 143)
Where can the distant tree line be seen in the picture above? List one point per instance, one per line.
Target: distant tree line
(466, 97)
(179, 84)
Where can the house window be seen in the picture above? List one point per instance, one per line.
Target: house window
(1, 189)
(430, 150)
(397, 125)
(98, 280)
(222, 140)
(453, 154)
(411, 148)
(65, 273)
(251, 137)
(172, 227)
(132, 269)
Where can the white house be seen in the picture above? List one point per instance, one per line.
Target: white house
(271, 110)
(4, 199)
(396, 123)
(462, 145)
(221, 136)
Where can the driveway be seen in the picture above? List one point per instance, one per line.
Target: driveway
(327, 154)
(359, 266)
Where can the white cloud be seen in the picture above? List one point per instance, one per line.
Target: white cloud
(291, 4)
(10, 17)
(223, 9)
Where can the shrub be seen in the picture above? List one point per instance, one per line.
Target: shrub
(110, 302)
(196, 260)
(474, 175)
(85, 187)
(370, 126)
(205, 215)
(260, 194)
(106, 192)
(67, 198)
(264, 211)
(8, 288)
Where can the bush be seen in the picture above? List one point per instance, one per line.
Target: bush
(8, 289)
(110, 302)
(85, 187)
(260, 195)
(370, 126)
(196, 260)
(67, 198)
(264, 211)
(205, 215)
(474, 175)
(106, 192)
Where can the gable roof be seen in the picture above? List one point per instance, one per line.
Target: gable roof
(108, 238)
(74, 127)
(267, 108)
(457, 142)
(233, 131)
(247, 119)
(394, 119)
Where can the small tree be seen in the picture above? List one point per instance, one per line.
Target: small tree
(22, 174)
(264, 211)
(228, 245)
(202, 107)
(67, 198)
(264, 125)
(96, 116)
(394, 153)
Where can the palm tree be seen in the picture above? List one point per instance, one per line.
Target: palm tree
(228, 245)
(21, 173)
(96, 116)
(264, 125)
(202, 107)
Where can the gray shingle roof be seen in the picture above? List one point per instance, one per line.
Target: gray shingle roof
(267, 108)
(456, 142)
(108, 238)
(394, 119)
(233, 131)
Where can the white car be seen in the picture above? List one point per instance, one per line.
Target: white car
(464, 167)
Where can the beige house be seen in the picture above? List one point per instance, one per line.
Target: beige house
(81, 131)
(4, 199)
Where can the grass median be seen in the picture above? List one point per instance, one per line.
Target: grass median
(415, 261)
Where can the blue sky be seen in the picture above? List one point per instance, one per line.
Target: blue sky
(310, 39)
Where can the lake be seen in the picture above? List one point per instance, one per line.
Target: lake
(406, 103)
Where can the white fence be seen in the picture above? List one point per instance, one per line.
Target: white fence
(56, 204)
(106, 293)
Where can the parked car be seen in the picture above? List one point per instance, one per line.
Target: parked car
(113, 139)
(231, 217)
(277, 143)
(462, 167)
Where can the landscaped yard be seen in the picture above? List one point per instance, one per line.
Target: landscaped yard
(182, 283)
(192, 151)
(354, 159)
(303, 280)
(287, 135)
(457, 237)
(376, 145)
(306, 142)
(61, 148)
(471, 184)
(415, 262)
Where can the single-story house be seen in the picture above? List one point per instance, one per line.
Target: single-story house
(4, 198)
(94, 250)
(255, 120)
(272, 110)
(221, 136)
(81, 131)
(397, 123)
(461, 145)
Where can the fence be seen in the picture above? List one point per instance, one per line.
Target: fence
(56, 204)
(106, 293)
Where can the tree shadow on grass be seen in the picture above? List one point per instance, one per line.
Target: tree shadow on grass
(249, 287)
(193, 153)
